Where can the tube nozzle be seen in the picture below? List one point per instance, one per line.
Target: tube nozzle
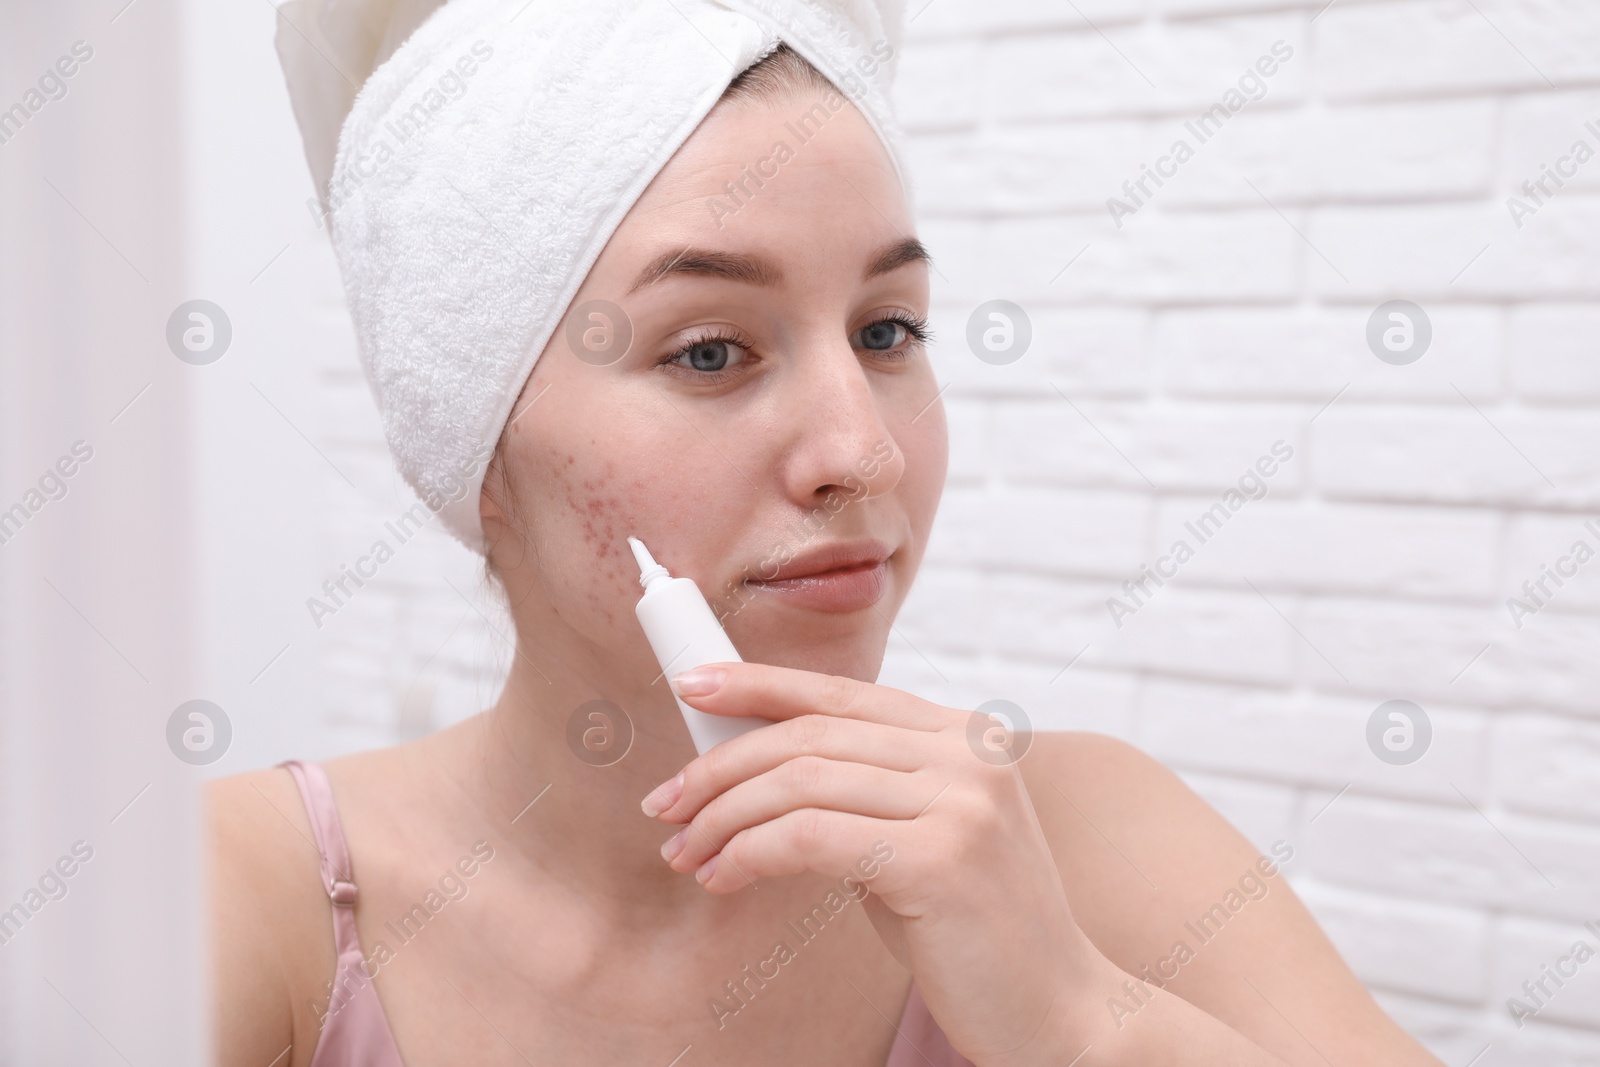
(649, 570)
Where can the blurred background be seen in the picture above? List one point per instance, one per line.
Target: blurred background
(1369, 275)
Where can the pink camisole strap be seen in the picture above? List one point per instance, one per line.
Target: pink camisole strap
(355, 1032)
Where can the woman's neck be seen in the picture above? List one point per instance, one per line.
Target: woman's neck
(568, 804)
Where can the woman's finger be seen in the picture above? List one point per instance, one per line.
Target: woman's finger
(855, 848)
(759, 751)
(780, 693)
(804, 782)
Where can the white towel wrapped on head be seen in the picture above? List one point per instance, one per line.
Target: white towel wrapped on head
(485, 164)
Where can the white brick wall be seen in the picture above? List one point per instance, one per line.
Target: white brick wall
(1175, 350)
(1206, 328)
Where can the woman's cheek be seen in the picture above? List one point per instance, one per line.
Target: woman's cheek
(927, 452)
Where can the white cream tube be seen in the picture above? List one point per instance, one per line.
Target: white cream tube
(684, 633)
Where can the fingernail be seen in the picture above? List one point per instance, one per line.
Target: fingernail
(703, 875)
(663, 796)
(702, 681)
(674, 844)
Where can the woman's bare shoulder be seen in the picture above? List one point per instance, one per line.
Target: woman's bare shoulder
(272, 931)
(1131, 830)
(1178, 898)
(261, 840)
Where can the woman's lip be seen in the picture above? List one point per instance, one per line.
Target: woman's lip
(840, 555)
(848, 588)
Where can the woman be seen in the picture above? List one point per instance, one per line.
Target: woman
(773, 430)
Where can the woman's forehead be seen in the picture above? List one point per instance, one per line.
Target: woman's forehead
(752, 186)
(747, 151)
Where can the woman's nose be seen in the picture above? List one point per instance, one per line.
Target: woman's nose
(842, 443)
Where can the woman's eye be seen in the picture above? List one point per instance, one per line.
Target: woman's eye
(726, 352)
(709, 356)
(884, 335)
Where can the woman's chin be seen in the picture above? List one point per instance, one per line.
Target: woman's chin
(848, 645)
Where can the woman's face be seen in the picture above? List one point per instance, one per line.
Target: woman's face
(773, 430)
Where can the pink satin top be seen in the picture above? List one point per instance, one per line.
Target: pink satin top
(355, 1032)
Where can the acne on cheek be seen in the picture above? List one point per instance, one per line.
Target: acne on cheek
(600, 502)
(604, 508)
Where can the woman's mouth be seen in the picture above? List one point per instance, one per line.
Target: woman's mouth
(846, 576)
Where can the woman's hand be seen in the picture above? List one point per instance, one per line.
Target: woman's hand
(971, 901)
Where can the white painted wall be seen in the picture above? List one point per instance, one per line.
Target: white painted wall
(99, 639)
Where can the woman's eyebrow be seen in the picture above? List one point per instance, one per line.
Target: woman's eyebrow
(758, 270)
(906, 250)
(735, 266)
